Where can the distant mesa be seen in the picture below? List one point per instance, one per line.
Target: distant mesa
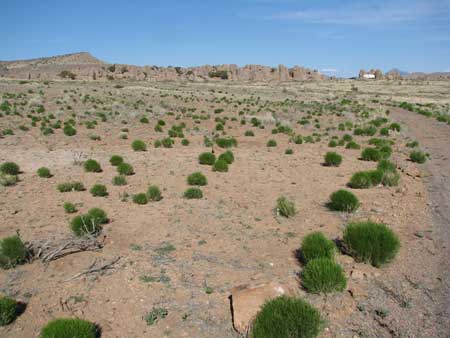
(84, 66)
(395, 74)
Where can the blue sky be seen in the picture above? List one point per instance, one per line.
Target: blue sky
(336, 36)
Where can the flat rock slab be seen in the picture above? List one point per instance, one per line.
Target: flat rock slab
(246, 301)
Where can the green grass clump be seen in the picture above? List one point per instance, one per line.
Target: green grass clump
(140, 199)
(155, 315)
(332, 144)
(371, 242)
(316, 245)
(9, 168)
(287, 317)
(119, 180)
(207, 158)
(115, 160)
(249, 133)
(285, 207)
(371, 154)
(352, 145)
(323, 275)
(227, 156)
(70, 186)
(69, 328)
(154, 193)
(197, 178)
(271, 143)
(185, 142)
(12, 252)
(221, 166)
(361, 180)
(69, 130)
(226, 142)
(8, 310)
(333, 159)
(69, 208)
(288, 151)
(139, 145)
(343, 200)
(99, 190)
(7, 180)
(44, 172)
(90, 223)
(92, 166)
(418, 157)
(193, 193)
(125, 169)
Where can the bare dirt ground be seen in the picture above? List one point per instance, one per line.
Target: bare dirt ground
(186, 255)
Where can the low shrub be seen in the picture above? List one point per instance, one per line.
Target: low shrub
(333, 159)
(69, 208)
(69, 130)
(227, 156)
(8, 310)
(287, 317)
(154, 193)
(9, 168)
(343, 200)
(207, 158)
(12, 252)
(70, 186)
(332, 144)
(139, 145)
(90, 223)
(221, 166)
(352, 145)
(193, 193)
(249, 133)
(44, 172)
(316, 245)
(119, 180)
(92, 166)
(226, 142)
(125, 169)
(371, 154)
(99, 190)
(197, 178)
(418, 157)
(115, 160)
(361, 180)
(185, 142)
(7, 180)
(285, 207)
(323, 275)
(288, 151)
(140, 199)
(69, 328)
(371, 242)
(271, 143)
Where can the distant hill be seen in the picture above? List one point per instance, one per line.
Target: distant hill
(83, 66)
(401, 72)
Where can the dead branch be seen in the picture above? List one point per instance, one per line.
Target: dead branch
(94, 268)
(49, 250)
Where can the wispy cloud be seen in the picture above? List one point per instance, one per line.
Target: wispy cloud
(370, 13)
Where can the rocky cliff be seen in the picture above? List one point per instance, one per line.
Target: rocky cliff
(83, 66)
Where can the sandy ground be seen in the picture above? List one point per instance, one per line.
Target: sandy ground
(230, 237)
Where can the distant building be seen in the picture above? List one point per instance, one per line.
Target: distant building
(373, 74)
(369, 76)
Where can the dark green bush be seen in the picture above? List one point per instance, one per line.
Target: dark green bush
(332, 144)
(185, 142)
(333, 159)
(288, 151)
(125, 169)
(90, 223)
(119, 180)
(352, 145)
(271, 143)
(69, 328)
(226, 142)
(140, 198)
(220, 166)
(207, 158)
(69, 130)
(44, 172)
(418, 157)
(99, 190)
(92, 166)
(361, 180)
(343, 200)
(371, 154)
(193, 193)
(197, 178)
(371, 242)
(9, 168)
(139, 145)
(227, 156)
(70, 208)
(287, 317)
(249, 133)
(12, 252)
(8, 310)
(71, 186)
(154, 193)
(316, 245)
(323, 275)
(395, 126)
(115, 160)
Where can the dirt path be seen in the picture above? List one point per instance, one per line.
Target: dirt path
(434, 138)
